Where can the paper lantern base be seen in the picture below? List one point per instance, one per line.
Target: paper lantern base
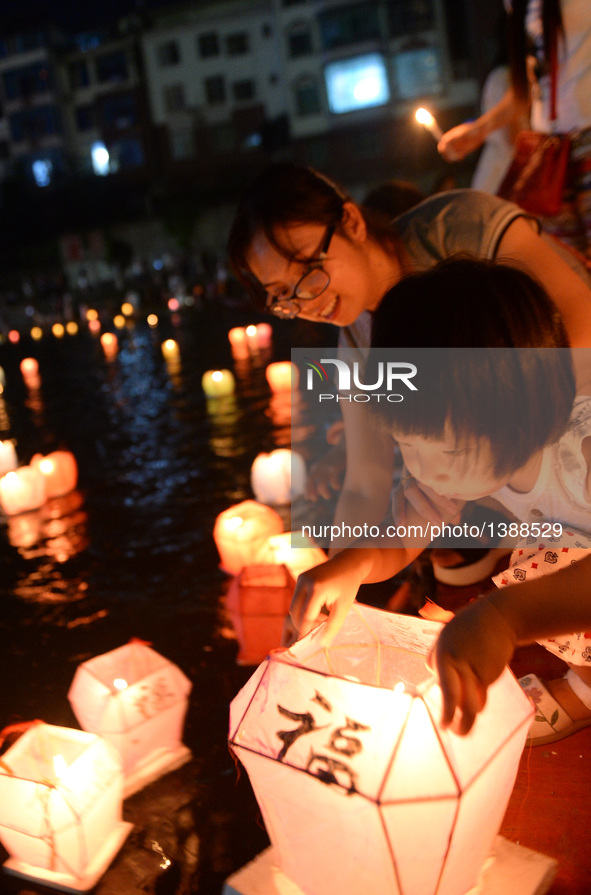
(515, 870)
(155, 765)
(65, 882)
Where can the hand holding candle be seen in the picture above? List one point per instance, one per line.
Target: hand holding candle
(424, 117)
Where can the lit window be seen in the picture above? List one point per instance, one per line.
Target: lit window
(100, 159)
(42, 171)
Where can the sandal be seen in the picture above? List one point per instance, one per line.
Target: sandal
(551, 721)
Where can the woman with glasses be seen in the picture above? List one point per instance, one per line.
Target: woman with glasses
(303, 248)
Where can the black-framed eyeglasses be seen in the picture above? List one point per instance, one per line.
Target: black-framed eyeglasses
(313, 282)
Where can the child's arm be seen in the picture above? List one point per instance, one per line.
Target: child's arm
(334, 584)
(474, 647)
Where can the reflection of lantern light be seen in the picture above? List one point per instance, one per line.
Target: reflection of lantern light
(71, 327)
(137, 700)
(25, 529)
(29, 366)
(58, 330)
(257, 601)
(22, 490)
(282, 376)
(152, 319)
(110, 345)
(36, 333)
(8, 459)
(60, 471)
(217, 383)
(292, 549)
(60, 807)
(94, 326)
(14, 336)
(240, 532)
(278, 477)
(326, 740)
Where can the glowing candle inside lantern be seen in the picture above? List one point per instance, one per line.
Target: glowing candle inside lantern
(110, 345)
(424, 117)
(36, 333)
(120, 684)
(217, 383)
(71, 327)
(278, 477)
(60, 471)
(264, 334)
(173, 304)
(127, 308)
(22, 490)
(58, 330)
(60, 767)
(238, 342)
(282, 376)
(92, 314)
(152, 320)
(170, 349)
(14, 336)
(119, 321)
(252, 337)
(94, 325)
(8, 459)
(241, 531)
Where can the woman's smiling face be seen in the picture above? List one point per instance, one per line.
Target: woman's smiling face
(353, 287)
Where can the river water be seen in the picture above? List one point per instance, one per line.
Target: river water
(130, 553)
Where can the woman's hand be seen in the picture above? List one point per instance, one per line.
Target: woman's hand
(460, 141)
(330, 587)
(470, 653)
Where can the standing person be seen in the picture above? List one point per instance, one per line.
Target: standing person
(303, 248)
(535, 27)
(504, 422)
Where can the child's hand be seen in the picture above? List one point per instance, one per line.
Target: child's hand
(470, 653)
(428, 504)
(326, 476)
(332, 586)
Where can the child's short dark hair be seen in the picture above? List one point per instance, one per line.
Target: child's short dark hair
(516, 400)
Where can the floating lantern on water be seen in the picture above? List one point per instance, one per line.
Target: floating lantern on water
(152, 320)
(424, 117)
(8, 458)
(258, 601)
(264, 335)
(119, 321)
(110, 345)
(58, 330)
(60, 471)
(92, 314)
(252, 337)
(2, 377)
(14, 336)
(278, 477)
(137, 700)
(173, 304)
(94, 325)
(351, 767)
(22, 489)
(170, 349)
(36, 333)
(29, 366)
(238, 342)
(71, 327)
(282, 376)
(217, 383)
(241, 531)
(60, 807)
(127, 309)
(292, 549)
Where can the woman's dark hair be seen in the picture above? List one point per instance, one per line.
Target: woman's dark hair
(285, 194)
(393, 198)
(519, 49)
(494, 365)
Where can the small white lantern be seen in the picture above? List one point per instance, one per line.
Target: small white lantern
(8, 458)
(61, 793)
(352, 769)
(22, 489)
(258, 602)
(218, 383)
(59, 470)
(292, 549)
(238, 342)
(278, 477)
(240, 532)
(137, 700)
(282, 376)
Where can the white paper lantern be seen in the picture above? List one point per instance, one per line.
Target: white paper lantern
(278, 477)
(292, 549)
(61, 793)
(137, 700)
(60, 471)
(8, 458)
(353, 772)
(22, 490)
(240, 532)
(282, 376)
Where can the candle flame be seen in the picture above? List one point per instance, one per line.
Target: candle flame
(251, 330)
(217, 376)
(152, 320)
(46, 466)
(120, 683)
(234, 522)
(423, 116)
(399, 688)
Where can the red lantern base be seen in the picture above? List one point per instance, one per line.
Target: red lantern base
(514, 870)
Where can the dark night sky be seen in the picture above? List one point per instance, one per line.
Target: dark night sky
(71, 15)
